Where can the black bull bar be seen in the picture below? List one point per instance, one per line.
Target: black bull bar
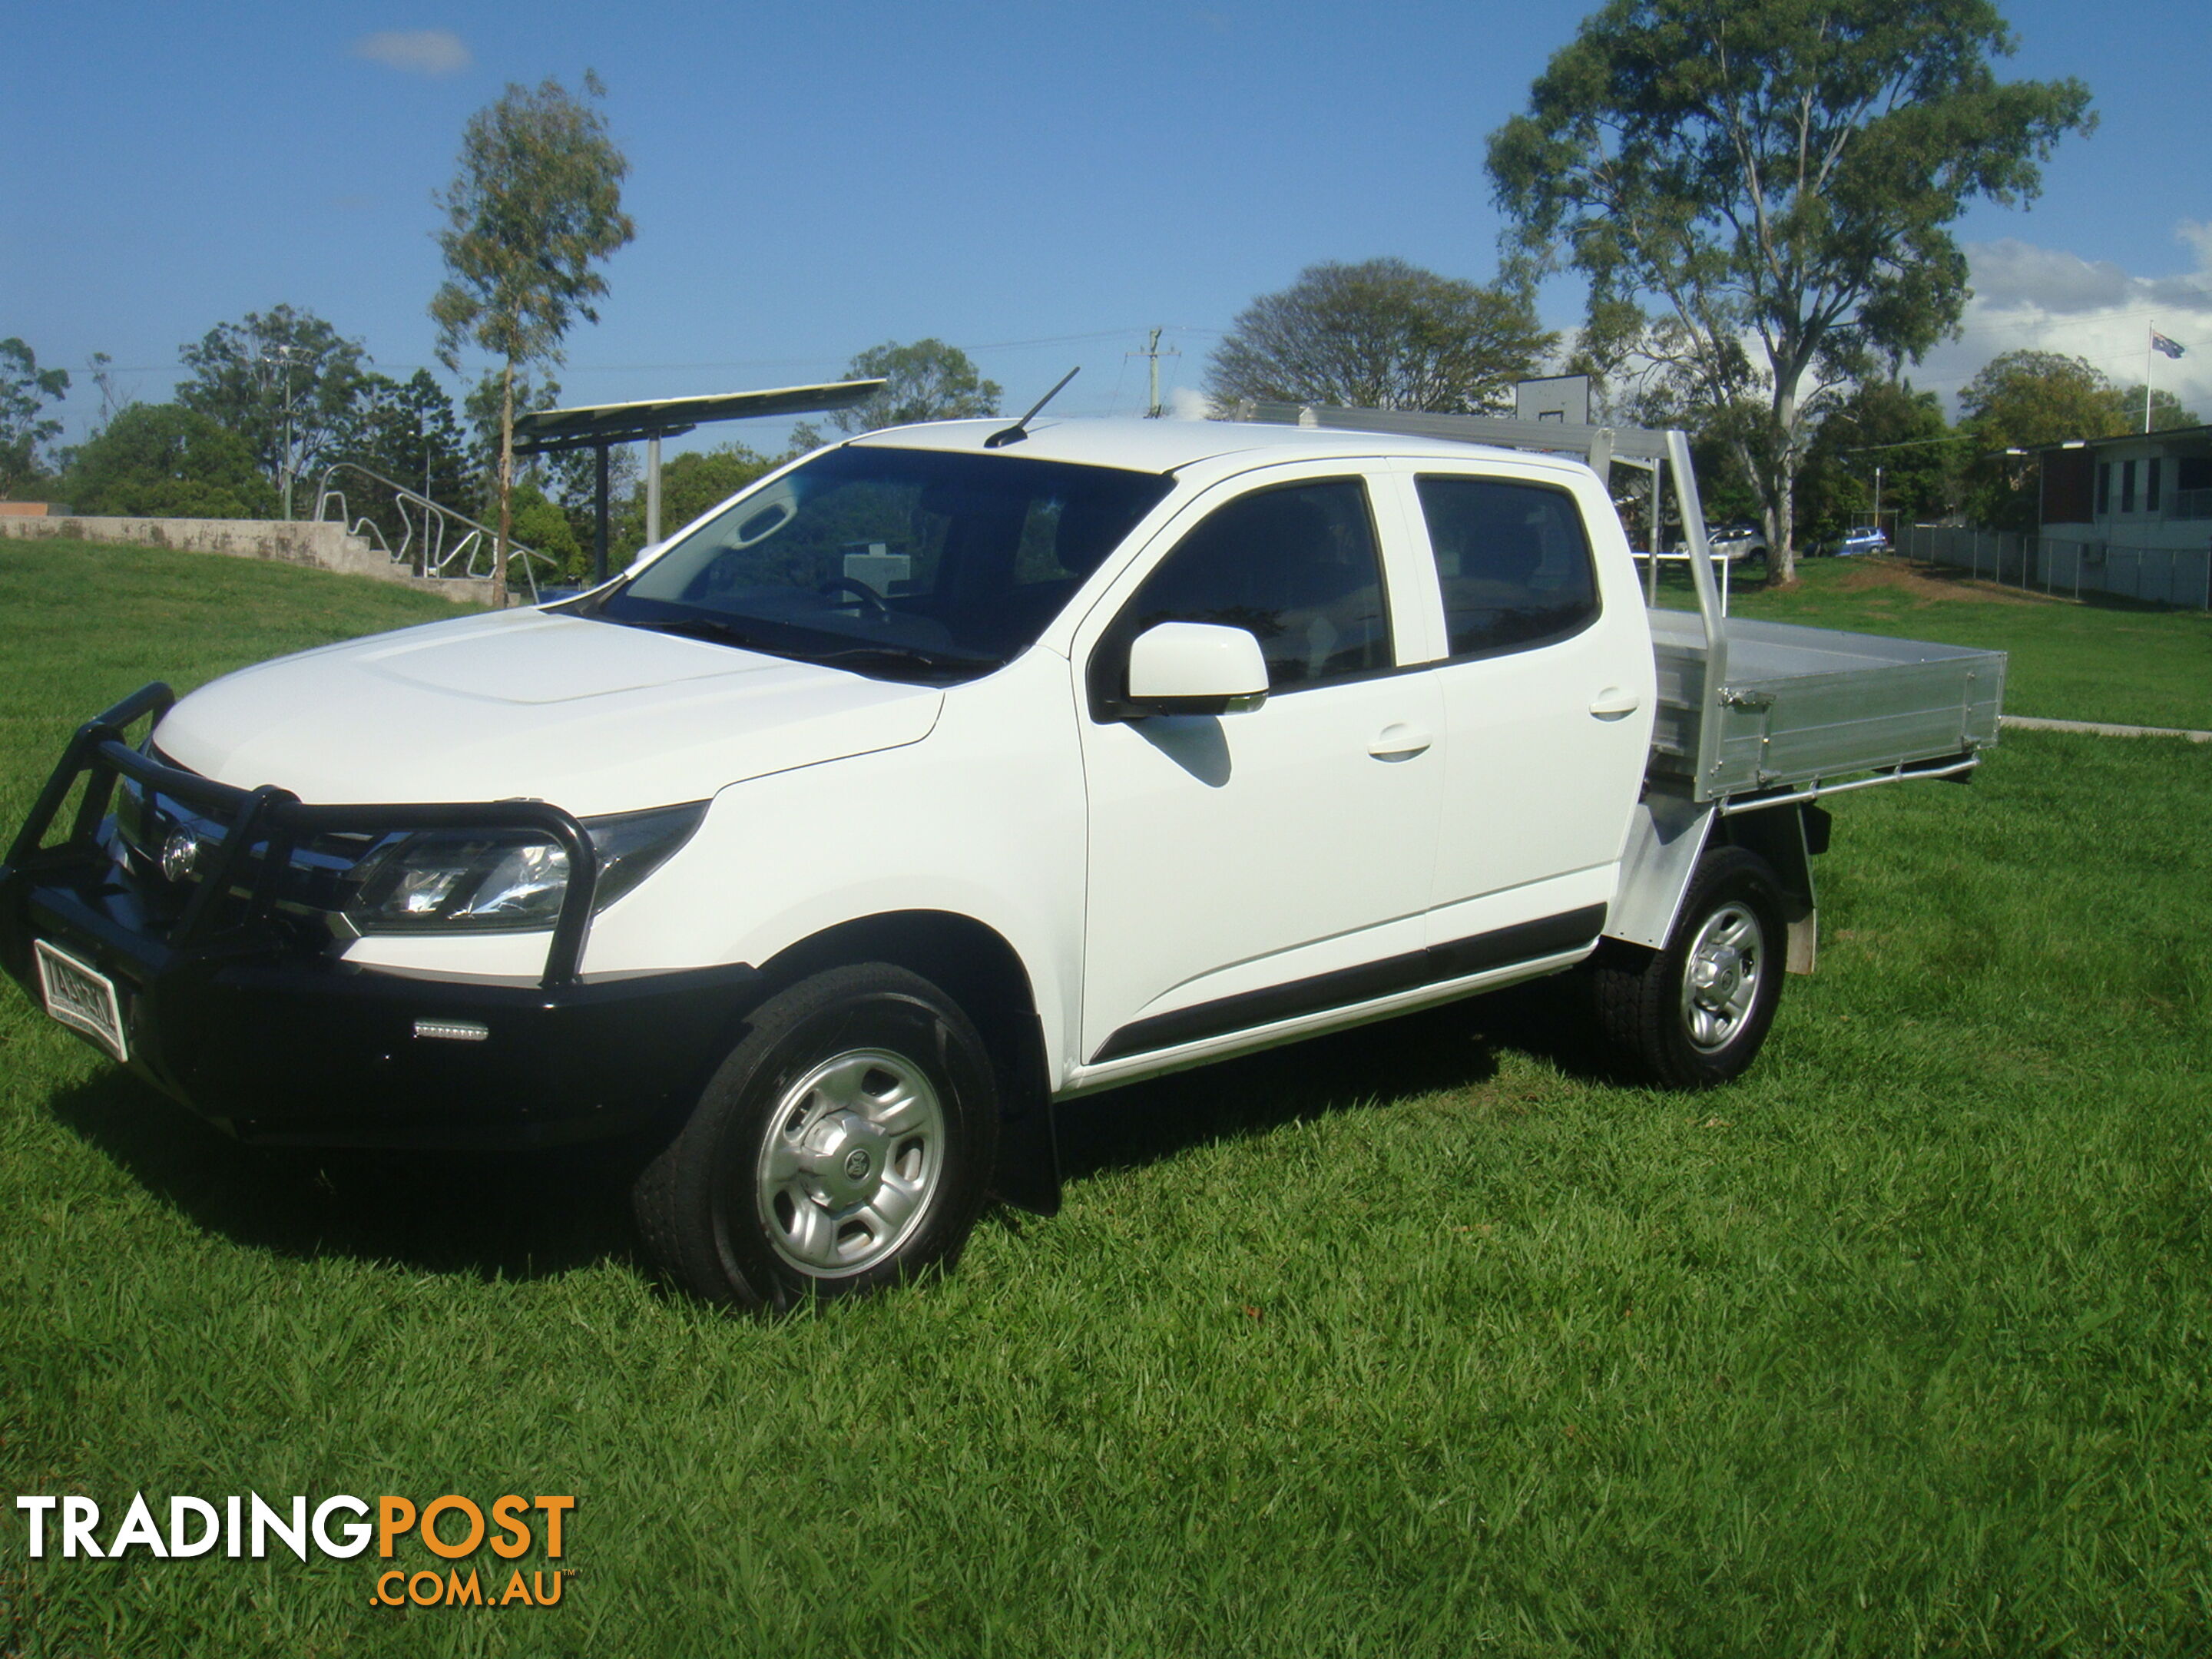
(262, 828)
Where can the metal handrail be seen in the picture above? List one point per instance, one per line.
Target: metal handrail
(434, 559)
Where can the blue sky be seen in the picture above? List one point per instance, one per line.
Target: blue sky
(1037, 184)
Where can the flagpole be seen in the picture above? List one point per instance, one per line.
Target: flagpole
(2150, 353)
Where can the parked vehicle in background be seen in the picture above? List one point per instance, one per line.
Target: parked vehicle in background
(1862, 538)
(1739, 543)
(954, 772)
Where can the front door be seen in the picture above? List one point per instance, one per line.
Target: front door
(1248, 867)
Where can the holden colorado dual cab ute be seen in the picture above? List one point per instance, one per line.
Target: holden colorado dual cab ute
(952, 772)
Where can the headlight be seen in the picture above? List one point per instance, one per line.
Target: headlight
(471, 880)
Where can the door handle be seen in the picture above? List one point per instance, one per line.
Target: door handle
(1612, 703)
(1398, 741)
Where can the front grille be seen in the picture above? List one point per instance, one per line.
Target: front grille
(317, 883)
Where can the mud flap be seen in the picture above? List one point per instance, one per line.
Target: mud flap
(1026, 1174)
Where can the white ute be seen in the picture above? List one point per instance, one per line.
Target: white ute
(958, 770)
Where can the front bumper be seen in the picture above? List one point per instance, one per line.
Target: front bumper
(224, 1009)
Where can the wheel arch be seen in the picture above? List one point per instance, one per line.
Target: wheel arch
(1669, 836)
(975, 964)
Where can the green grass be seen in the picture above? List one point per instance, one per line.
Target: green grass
(1423, 1339)
(2103, 659)
(84, 622)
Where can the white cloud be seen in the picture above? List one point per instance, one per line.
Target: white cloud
(2033, 298)
(1186, 402)
(418, 52)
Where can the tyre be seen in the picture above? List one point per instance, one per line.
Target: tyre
(1695, 1013)
(844, 1144)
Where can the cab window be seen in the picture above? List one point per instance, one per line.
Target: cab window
(1513, 560)
(1297, 566)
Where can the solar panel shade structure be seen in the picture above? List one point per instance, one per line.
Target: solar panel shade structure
(588, 426)
(602, 426)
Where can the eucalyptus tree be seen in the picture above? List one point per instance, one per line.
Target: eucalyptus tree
(533, 211)
(1762, 191)
(923, 380)
(285, 380)
(25, 427)
(1382, 334)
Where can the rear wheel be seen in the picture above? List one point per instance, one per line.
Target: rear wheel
(844, 1144)
(1695, 1013)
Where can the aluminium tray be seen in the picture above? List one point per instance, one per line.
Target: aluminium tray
(1804, 705)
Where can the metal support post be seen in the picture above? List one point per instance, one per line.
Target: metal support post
(599, 510)
(1658, 471)
(653, 489)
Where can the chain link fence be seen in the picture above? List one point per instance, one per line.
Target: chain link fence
(2072, 566)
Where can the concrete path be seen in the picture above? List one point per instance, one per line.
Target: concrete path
(2098, 728)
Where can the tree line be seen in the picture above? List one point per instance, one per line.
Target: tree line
(1384, 334)
(265, 404)
(273, 400)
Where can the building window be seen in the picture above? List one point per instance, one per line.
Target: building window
(2104, 488)
(2127, 486)
(2150, 487)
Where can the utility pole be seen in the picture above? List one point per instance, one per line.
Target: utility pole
(1154, 354)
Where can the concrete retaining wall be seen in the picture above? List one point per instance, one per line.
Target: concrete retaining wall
(319, 546)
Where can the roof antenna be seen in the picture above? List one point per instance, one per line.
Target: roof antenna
(1014, 434)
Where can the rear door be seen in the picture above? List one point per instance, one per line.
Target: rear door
(1548, 688)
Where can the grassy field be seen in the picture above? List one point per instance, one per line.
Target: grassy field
(1424, 1340)
(2107, 659)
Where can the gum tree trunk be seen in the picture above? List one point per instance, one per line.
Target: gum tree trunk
(506, 484)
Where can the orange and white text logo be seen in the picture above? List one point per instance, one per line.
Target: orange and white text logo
(526, 1539)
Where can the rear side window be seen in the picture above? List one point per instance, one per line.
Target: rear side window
(1513, 560)
(1297, 566)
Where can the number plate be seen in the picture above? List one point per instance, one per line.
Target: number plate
(80, 998)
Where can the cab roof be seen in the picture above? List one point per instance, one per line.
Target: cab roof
(1169, 445)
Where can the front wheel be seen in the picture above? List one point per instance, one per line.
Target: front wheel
(1695, 1013)
(844, 1144)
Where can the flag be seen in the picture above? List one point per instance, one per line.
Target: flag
(2159, 342)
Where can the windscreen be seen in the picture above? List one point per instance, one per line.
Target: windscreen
(906, 563)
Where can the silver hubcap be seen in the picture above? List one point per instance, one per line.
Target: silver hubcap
(850, 1162)
(1726, 960)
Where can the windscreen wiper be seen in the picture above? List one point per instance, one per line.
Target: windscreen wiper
(895, 657)
(712, 627)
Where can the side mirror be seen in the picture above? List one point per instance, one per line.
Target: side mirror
(1195, 668)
